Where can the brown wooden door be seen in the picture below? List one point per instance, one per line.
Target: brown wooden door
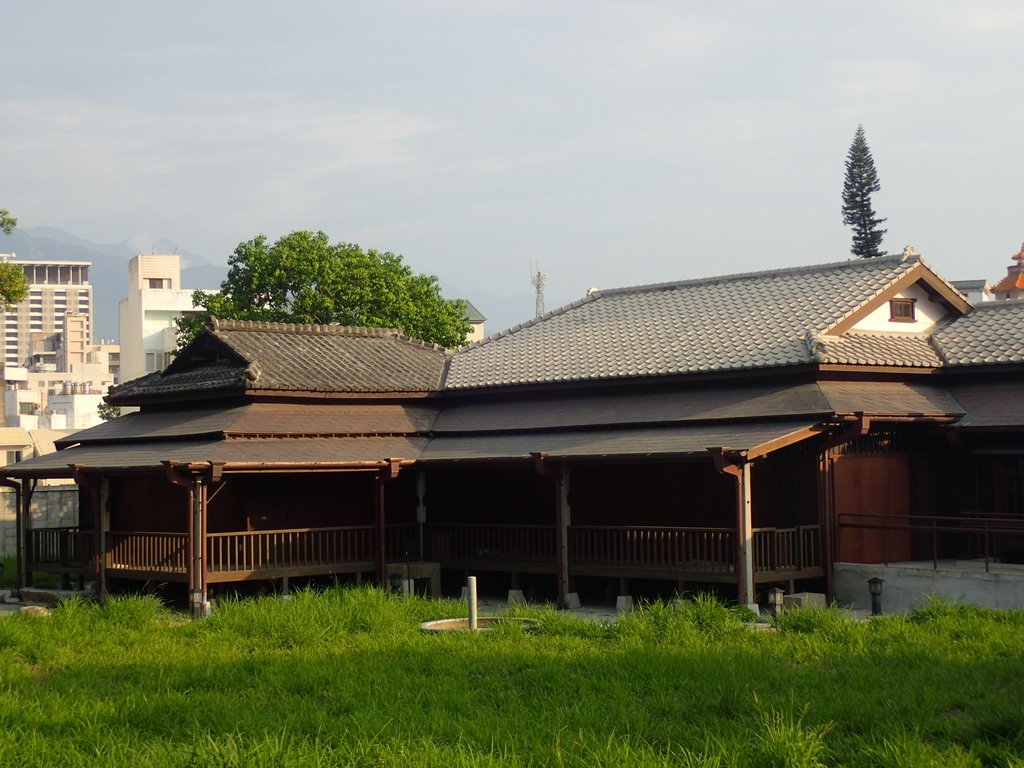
(875, 486)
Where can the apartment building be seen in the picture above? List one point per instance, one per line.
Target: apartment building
(155, 298)
(33, 328)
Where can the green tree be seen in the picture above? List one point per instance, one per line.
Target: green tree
(861, 181)
(13, 283)
(304, 278)
(108, 412)
(7, 222)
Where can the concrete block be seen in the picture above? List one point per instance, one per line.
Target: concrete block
(572, 601)
(516, 596)
(624, 603)
(805, 600)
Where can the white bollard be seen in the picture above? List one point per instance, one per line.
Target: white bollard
(471, 583)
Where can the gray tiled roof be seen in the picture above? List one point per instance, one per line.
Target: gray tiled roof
(242, 356)
(685, 441)
(988, 404)
(737, 322)
(242, 452)
(261, 419)
(676, 406)
(992, 334)
(861, 348)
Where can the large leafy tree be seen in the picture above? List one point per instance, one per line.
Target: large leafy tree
(304, 278)
(13, 283)
(860, 183)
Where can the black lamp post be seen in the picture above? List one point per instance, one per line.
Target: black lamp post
(875, 587)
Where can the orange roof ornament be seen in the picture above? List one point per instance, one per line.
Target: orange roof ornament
(1012, 286)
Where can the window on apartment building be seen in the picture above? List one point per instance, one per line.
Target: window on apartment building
(13, 457)
(26, 409)
(158, 282)
(901, 310)
(157, 361)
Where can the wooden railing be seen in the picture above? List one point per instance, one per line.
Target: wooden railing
(513, 543)
(787, 549)
(297, 548)
(694, 549)
(972, 535)
(147, 552)
(240, 554)
(59, 549)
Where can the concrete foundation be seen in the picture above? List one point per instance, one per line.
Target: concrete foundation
(804, 600)
(909, 584)
(624, 603)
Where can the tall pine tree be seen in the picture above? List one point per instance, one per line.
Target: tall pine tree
(861, 180)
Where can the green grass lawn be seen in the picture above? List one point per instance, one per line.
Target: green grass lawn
(346, 677)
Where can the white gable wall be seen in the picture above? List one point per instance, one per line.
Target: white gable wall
(926, 312)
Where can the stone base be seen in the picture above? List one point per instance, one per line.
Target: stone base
(516, 596)
(572, 601)
(805, 600)
(624, 603)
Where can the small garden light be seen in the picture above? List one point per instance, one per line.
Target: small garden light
(775, 600)
(875, 587)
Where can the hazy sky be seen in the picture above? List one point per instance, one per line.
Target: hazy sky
(610, 143)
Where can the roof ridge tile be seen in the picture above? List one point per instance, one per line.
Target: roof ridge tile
(324, 329)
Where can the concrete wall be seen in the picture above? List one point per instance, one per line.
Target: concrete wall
(909, 584)
(52, 506)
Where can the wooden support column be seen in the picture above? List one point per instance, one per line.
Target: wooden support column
(381, 481)
(195, 513)
(744, 539)
(25, 528)
(736, 465)
(99, 498)
(826, 519)
(98, 491)
(564, 521)
(421, 509)
(546, 468)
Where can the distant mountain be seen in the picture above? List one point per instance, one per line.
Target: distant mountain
(109, 271)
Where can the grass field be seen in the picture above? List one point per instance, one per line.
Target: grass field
(345, 677)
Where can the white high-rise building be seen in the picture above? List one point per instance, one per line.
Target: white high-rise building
(155, 299)
(33, 328)
(53, 375)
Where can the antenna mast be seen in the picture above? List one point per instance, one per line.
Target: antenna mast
(539, 279)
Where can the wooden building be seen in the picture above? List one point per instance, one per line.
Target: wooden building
(733, 432)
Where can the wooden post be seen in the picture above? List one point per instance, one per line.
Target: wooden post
(545, 468)
(564, 521)
(379, 483)
(744, 539)
(99, 497)
(826, 521)
(24, 574)
(195, 544)
(421, 508)
(738, 467)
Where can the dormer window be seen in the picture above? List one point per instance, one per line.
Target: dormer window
(901, 311)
